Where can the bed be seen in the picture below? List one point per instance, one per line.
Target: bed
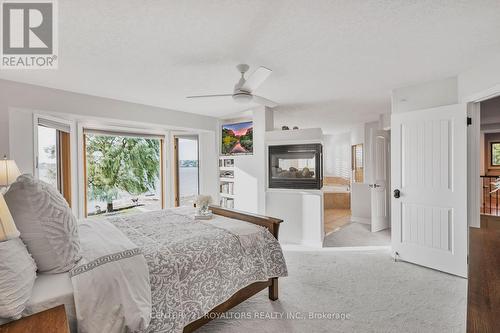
(197, 269)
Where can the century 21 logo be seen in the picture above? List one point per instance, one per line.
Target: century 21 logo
(27, 28)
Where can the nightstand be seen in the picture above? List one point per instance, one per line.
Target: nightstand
(49, 321)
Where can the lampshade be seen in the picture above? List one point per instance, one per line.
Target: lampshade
(8, 172)
(8, 229)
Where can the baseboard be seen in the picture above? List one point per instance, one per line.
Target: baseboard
(312, 244)
(364, 220)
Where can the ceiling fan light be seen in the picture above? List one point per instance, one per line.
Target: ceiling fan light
(242, 98)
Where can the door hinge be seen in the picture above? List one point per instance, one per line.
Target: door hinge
(469, 121)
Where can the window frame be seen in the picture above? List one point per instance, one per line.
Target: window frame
(491, 154)
(113, 130)
(65, 168)
(176, 171)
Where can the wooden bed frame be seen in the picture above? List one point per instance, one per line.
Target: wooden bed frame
(272, 224)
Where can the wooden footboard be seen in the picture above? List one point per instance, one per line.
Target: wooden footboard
(272, 224)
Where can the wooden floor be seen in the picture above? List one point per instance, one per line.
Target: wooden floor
(483, 305)
(336, 218)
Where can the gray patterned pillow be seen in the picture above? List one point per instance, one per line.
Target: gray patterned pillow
(17, 276)
(46, 223)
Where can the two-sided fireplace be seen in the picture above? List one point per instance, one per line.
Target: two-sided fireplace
(296, 166)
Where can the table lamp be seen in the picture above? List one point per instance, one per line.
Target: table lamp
(8, 229)
(8, 172)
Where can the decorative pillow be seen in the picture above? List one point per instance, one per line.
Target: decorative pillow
(47, 224)
(17, 276)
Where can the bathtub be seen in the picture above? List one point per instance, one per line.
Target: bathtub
(336, 189)
(336, 196)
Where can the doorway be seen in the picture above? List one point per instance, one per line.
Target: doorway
(486, 180)
(357, 213)
(186, 168)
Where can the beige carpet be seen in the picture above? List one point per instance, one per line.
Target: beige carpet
(357, 234)
(377, 295)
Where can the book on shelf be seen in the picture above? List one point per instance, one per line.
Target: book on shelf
(227, 188)
(226, 202)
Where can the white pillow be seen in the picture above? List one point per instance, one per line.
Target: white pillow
(17, 276)
(47, 224)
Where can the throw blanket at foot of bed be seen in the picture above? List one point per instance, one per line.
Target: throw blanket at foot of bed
(111, 282)
(195, 266)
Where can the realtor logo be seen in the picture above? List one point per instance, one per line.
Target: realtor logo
(29, 34)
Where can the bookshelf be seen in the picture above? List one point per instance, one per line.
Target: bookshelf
(226, 179)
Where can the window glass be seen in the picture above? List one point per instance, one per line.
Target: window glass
(123, 174)
(188, 171)
(47, 156)
(495, 154)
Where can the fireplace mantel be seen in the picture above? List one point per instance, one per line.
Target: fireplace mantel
(300, 136)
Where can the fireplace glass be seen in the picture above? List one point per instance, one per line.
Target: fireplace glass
(295, 166)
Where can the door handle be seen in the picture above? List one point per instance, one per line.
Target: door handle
(374, 185)
(397, 193)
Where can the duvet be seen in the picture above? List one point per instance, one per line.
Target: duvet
(194, 266)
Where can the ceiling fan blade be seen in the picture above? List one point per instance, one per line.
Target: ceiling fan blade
(264, 101)
(203, 96)
(256, 79)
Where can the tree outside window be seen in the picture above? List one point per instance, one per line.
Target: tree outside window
(122, 170)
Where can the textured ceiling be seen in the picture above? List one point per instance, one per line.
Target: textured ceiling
(337, 58)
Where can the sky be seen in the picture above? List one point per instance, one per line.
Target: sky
(188, 149)
(239, 128)
(46, 137)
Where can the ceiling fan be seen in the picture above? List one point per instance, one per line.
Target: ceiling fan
(244, 90)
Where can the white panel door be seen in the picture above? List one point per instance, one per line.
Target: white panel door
(429, 169)
(379, 198)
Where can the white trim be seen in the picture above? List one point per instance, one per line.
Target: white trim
(75, 204)
(473, 165)
(303, 248)
(473, 153)
(81, 126)
(106, 127)
(312, 244)
(81, 168)
(364, 220)
(484, 95)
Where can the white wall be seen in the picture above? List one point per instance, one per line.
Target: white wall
(361, 203)
(250, 170)
(479, 79)
(467, 86)
(24, 96)
(20, 139)
(209, 165)
(425, 95)
(332, 117)
(358, 134)
(369, 162)
(302, 212)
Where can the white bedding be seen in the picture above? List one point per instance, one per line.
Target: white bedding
(111, 283)
(51, 290)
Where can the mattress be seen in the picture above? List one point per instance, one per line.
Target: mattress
(51, 290)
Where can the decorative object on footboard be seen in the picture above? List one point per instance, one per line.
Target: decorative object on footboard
(203, 211)
(272, 224)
